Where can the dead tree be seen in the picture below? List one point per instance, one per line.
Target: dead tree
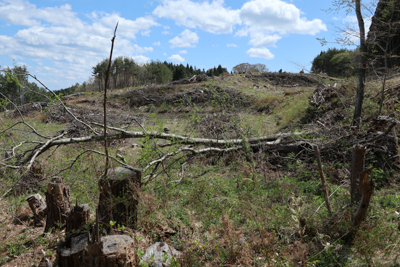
(58, 200)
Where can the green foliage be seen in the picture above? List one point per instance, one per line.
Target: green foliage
(14, 85)
(335, 62)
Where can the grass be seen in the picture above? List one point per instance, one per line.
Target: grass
(228, 210)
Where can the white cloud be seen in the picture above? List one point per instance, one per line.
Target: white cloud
(212, 17)
(165, 32)
(187, 38)
(145, 33)
(258, 39)
(182, 52)
(157, 43)
(176, 58)
(58, 35)
(231, 45)
(141, 59)
(277, 16)
(20, 12)
(260, 52)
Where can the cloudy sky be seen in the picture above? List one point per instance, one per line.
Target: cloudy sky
(60, 41)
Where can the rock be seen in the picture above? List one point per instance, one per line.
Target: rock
(160, 254)
(112, 251)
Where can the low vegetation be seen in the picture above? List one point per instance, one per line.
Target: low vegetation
(245, 207)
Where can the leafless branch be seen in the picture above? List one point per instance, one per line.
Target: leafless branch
(59, 100)
(23, 120)
(41, 149)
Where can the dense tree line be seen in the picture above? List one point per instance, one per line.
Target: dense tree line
(336, 62)
(15, 87)
(125, 72)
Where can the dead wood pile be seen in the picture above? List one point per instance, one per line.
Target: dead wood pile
(174, 95)
(327, 105)
(28, 109)
(56, 113)
(193, 79)
(284, 79)
(219, 125)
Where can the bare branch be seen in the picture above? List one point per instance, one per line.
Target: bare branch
(42, 149)
(23, 120)
(65, 108)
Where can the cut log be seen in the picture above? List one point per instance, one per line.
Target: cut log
(112, 251)
(39, 209)
(58, 200)
(79, 216)
(119, 197)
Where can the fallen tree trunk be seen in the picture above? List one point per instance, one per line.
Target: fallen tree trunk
(176, 139)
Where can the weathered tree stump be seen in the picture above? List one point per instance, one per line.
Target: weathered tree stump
(58, 204)
(79, 216)
(119, 197)
(357, 167)
(39, 209)
(111, 251)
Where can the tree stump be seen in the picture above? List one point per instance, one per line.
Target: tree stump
(58, 204)
(119, 197)
(357, 167)
(111, 251)
(39, 209)
(79, 216)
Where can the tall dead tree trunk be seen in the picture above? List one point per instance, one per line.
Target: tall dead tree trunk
(362, 66)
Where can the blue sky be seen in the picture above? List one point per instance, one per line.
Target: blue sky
(60, 41)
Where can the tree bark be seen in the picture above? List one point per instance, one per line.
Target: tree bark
(39, 209)
(79, 216)
(119, 197)
(323, 180)
(362, 66)
(357, 167)
(367, 188)
(58, 200)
